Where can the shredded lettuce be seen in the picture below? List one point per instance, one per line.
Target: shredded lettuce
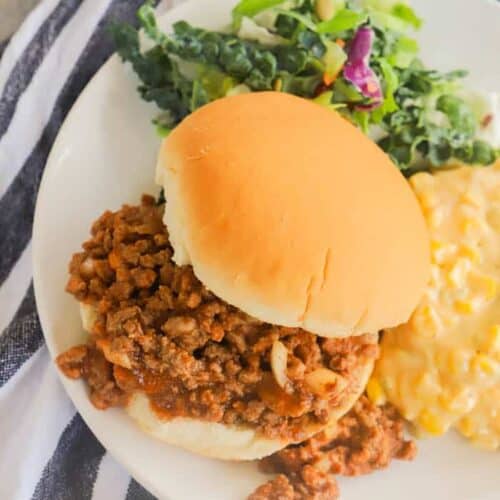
(303, 19)
(215, 83)
(389, 22)
(334, 59)
(324, 99)
(381, 5)
(250, 8)
(404, 52)
(390, 85)
(406, 14)
(162, 130)
(239, 89)
(344, 20)
(250, 30)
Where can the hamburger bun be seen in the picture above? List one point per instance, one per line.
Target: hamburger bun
(290, 213)
(216, 440)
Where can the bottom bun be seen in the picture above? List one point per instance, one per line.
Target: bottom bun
(204, 438)
(216, 440)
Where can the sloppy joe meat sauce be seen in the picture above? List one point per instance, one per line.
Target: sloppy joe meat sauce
(364, 440)
(159, 330)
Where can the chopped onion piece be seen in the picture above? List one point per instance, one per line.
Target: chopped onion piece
(116, 358)
(279, 358)
(326, 383)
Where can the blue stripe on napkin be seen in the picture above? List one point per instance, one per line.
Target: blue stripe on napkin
(31, 59)
(72, 470)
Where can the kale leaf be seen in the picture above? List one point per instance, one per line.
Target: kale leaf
(424, 121)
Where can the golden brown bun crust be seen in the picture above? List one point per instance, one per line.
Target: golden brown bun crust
(291, 214)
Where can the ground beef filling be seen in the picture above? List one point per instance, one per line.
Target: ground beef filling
(160, 331)
(366, 439)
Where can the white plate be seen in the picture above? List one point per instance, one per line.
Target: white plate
(105, 155)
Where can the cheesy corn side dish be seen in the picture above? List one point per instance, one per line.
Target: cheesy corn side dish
(482, 424)
(442, 368)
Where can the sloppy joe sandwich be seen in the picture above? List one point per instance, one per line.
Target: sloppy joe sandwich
(242, 315)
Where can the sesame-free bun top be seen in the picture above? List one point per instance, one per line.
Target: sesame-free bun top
(288, 212)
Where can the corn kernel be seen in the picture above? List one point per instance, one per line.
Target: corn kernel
(491, 286)
(424, 385)
(459, 403)
(375, 392)
(481, 363)
(458, 272)
(457, 362)
(435, 217)
(421, 181)
(427, 199)
(446, 402)
(465, 306)
(471, 198)
(437, 245)
(455, 277)
(467, 225)
(450, 320)
(484, 285)
(409, 414)
(426, 321)
(442, 251)
(431, 295)
(435, 278)
(493, 218)
(471, 253)
(492, 344)
(431, 423)
(466, 427)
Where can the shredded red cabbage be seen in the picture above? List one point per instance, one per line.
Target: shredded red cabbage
(357, 68)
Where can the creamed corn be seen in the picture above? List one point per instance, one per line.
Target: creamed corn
(442, 368)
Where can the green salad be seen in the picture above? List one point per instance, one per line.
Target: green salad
(357, 58)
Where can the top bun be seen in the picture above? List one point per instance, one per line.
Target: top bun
(288, 212)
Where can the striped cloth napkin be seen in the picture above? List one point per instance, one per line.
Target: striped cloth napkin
(46, 450)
